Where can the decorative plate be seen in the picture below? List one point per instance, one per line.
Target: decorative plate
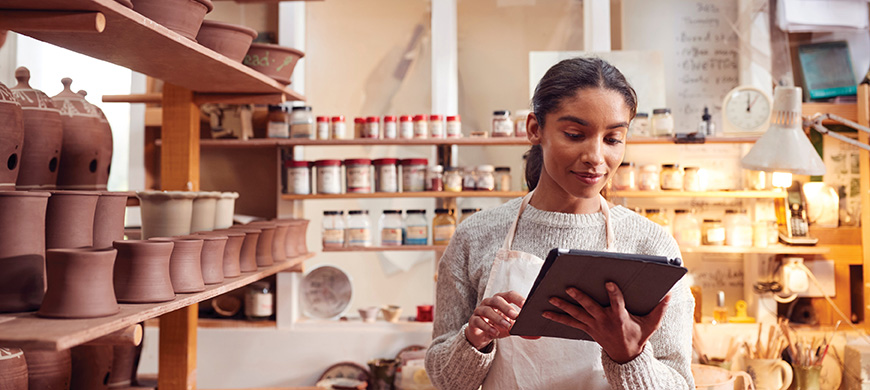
(326, 292)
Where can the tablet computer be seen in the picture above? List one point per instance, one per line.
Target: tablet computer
(643, 279)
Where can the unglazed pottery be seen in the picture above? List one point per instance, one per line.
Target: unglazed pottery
(248, 253)
(125, 363)
(13, 369)
(232, 250)
(43, 136)
(203, 216)
(91, 366)
(22, 250)
(716, 378)
(11, 138)
(296, 243)
(69, 219)
(181, 16)
(279, 244)
(213, 257)
(126, 3)
(142, 271)
(104, 164)
(185, 263)
(770, 374)
(391, 313)
(274, 61)
(264, 245)
(79, 283)
(230, 40)
(166, 213)
(226, 206)
(109, 218)
(49, 370)
(82, 141)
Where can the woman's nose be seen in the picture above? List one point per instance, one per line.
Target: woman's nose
(592, 153)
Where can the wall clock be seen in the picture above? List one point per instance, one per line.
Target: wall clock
(326, 292)
(746, 110)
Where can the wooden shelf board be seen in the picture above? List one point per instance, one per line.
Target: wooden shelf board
(388, 248)
(845, 110)
(138, 43)
(28, 330)
(227, 323)
(705, 194)
(272, 142)
(776, 249)
(423, 194)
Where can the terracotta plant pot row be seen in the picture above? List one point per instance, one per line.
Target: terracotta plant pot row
(86, 367)
(176, 213)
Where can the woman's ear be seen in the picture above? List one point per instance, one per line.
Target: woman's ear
(533, 130)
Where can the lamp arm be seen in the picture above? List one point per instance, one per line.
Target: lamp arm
(816, 123)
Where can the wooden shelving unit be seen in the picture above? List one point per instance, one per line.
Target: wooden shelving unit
(705, 194)
(422, 194)
(773, 250)
(401, 248)
(29, 331)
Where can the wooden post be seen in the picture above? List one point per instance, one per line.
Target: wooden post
(179, 153)
(863, 119)
(177, 362)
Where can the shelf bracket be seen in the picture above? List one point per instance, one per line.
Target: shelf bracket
(53, 21)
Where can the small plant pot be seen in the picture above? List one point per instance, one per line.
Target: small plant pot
(166, 213)
(69, 219)
(13, 369)
(248, 252)
(185, 263)
(213, 246)
(203, 214)
(392, 313)
(226, 207)
(22, 250)
(79, 283)
(232, 250)
(141, 272)
(264, 244)
(109, 218)
(369, 314)
(48, 369)
(279, 244)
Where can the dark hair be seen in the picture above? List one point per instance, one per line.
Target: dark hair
(561, 82)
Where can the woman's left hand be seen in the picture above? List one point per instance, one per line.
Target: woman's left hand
(621, 334)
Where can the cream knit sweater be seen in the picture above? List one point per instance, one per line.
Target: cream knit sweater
(454, 364)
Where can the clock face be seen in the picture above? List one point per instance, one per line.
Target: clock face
(326, 292)
(746, 109)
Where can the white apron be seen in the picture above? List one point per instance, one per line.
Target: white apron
(546, 363)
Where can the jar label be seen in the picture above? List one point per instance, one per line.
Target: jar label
(299, 181)
(338, 130)
(359, 237)
(358, 179)
(322, 130)
(672, 180)
(277, 130)
(417, 235)
(503, 128)
(391, 237)
(370, 130)
(387, 179)
(485, 182)
(302, 130)
(688, 237)
(390, 130)
(413, 179)
(333, 238)
(406, 130)
(421, 130)
(739, 236)
(258, 305)
(716, 234)
(328, 181)
(452, 182)
(443, 234)
(437, 130)
(454, 129)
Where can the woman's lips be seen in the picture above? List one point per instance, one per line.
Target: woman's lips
(588, 178)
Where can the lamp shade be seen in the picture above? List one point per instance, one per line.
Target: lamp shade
(784, 147)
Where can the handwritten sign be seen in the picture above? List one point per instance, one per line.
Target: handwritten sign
(714, 273)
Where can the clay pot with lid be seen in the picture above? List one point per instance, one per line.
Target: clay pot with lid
(264, 245)
(203, 216)
(182, 16)
(69, 219)
(166, 213)
(22, 250)
(49, 370)
(43, 136)
(82, 147)
(141, 273)
(11, 138)
(232, 250)
(224, 210)
(107, 145)
(248, 253)
(13, 369)
(79, 283)
(109, 218)
(231, 40)
(185, 263)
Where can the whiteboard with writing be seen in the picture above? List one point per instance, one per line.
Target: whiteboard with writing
(700, 51)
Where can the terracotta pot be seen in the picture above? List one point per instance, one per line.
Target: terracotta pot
(13, 369)
(185, 263)
(181, 16)
(49, 370)
(213, 257)
(43, 136)
(22, 250)
(79, 283)
(203, 216)
(91, 367)
(11, 138)
(264, 245)
(230, 40)
(232, 250)
(104, 163)
(248, 253)
(142, 271)
(125, 363)
(166, 213)
(109, 218)
(274, 61)
(69, 219)
(279, 244)
(226, 205)
(82, 141)
(296, 242)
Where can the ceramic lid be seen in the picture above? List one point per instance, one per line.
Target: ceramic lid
(72, 104)
(28, 96)
(165, 194)
(84, 95)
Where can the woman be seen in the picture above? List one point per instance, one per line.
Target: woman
(581, 111)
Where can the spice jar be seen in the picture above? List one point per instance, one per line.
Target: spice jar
(358, 172)
(662, 122)
(333, 229)
(276, 122)
(502, 125)
(649, 178)
(520, 123)
(672, 177)
(453, 179)
(302, 123)
(372, 129)
(386, 175)
(414, 174)
(359, 125)
(694, 179)
(406, 127)
(625, 178)
(416, 228)
(454, 127)
(639, 126)
(738, 228)
(658, 216)
(298, 177)
(390, 129)
(469, 179)
(421, 127)
(258, 301)
(713, 232)
(443, 227)
(467, 213)
(485, 178)
(391, 228)
(328, 176)
(359, 228)
(322, 127)
(436, 126)
(433, 178)
(339, 129)
(687, 228)
(502, 179)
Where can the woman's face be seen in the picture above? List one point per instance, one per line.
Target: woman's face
(583, 142)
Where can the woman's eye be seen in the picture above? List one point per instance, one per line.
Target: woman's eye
(573, 135)
(613, 141)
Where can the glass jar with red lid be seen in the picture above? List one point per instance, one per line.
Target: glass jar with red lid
(421, 126)
(328, 174)
(359, 177)
(454, 127)
(406, 127)
(436, 126)
(322, 127)
(414, 174)
(390, 130)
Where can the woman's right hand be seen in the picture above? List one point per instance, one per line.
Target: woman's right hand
(493, 318)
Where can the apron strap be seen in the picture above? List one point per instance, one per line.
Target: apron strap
(509, 240)
(608, 230)
(605, 210)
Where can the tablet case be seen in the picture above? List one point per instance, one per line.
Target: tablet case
(643, 279)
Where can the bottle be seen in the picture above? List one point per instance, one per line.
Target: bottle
(277, 126)
(258, 301)
(391, 228)
(333, 229)
(339, 129)
(322, 127)
(706, 127)
(720, 312)
(443, 227)
(359, 228)
(738, 228)
(416, 229)
(390, 128)
(687, 228)
(302, 123)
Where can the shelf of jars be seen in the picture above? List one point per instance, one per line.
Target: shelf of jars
(506, 141)
(699, 194)
(26, 330)
(394, 248)
(773, 249)
(421, 194)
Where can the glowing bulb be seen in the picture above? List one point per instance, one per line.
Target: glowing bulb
(781, 179)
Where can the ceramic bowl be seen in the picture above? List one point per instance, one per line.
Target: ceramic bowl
(182, 16)
(274, 61)
(230, 40)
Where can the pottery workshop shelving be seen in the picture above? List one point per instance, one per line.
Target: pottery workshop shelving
(422, 194)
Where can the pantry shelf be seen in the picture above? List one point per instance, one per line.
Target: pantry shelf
(26, 330)
(400, 248)
(272, 142)
(422, 194)
(702, 194)
(774, 250)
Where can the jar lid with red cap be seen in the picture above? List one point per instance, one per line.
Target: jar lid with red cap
(385, 161)
(358, 161)
(435, 117)
(323, 119)
(415, 161)
(373, 119)
(339, 118)
(359, 120)
(390, 118)
(327, 163)
(419, 117)
(297, 164)
(405, 118)
(453, 118)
